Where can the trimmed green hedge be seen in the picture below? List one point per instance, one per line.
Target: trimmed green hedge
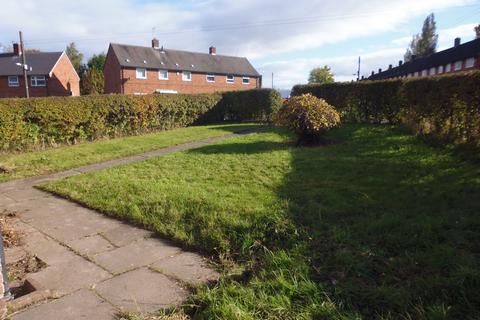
(44, 122)
(446, 108)
(255, 105)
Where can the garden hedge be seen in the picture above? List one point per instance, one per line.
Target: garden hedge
(255, 105)
(43, 122)
(446, 108)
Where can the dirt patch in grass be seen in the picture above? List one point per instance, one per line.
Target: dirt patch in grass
(11, 237)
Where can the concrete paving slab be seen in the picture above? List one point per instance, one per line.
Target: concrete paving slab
(5, 201)
(142, 290)
(69, 276)
(26, 194)
(80, 305)
(188, 267)
(14, 255)
(90, 245)
(134, 255)
(47, 249)
(125, 234)
(67, 221)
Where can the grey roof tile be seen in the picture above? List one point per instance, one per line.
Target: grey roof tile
(177, 60)
(41, 62)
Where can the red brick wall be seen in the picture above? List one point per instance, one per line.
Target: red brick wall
(115, 75)
(198, 84)
(112, 74)
(64, 79)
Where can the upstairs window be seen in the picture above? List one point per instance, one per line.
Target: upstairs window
(163, 74)
(141, 73)
(38, 81)
(470, 63)
(246, 80)
(186, 76)
(13, 81)
(458, 65)
(210, 78)
(230, 79)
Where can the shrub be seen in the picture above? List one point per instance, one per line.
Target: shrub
(43, 122)
(309, 117)
(443, 108)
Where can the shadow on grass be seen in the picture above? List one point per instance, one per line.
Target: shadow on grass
(238, 127)
(391, 225)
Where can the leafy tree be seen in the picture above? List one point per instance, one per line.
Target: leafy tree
(477, 31)
(75, 56)
(97, 61)
(92, 82)
(321, 75)
(425, 43)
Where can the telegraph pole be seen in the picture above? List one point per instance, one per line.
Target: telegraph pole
(358, 72)
(24, 65)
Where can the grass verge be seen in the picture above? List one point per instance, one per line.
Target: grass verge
(376, 226)
(27, 164)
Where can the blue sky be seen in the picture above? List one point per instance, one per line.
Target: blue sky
(284, 37)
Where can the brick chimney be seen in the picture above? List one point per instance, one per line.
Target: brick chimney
(390, 66)
(212, 51)
(155, 43)
(17, 50)
(380, 70)
(400, 62)
(457, 42)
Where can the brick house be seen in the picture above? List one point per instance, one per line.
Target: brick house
(461, 57)
(145, 70)
(51, 74)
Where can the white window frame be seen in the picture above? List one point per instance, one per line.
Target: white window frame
(246, 78)
(186, 76)
(424, 72)
(458, 65)
(448, 67)
(230, 79)
(470, 63)
(161, 73)
(13, 84)
(38, 81)
(440, 70)
(139, 75)
(433, 71)
(210, 76)
(416, 74)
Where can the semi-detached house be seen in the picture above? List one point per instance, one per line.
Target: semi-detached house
(49, 74)
(146, 70)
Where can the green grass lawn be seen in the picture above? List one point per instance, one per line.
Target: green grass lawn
(377, 225)
(29, 164)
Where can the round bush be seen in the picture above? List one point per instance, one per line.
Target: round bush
(309, 117)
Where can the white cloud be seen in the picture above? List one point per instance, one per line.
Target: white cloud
(252, 28)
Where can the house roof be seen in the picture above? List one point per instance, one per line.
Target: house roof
(461, 52)
(177, 60)
(42, 63)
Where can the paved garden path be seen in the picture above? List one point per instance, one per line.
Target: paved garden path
(97, 265)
